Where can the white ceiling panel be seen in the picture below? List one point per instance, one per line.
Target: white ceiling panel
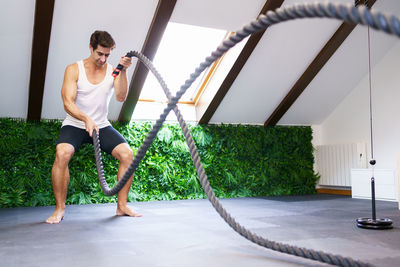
(280, 58)
(342, 72)
(73, 22)
(228, 15)
(16, 28)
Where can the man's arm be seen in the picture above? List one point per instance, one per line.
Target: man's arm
(121, 81)
(68, 93)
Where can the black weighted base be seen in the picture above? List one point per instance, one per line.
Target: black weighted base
(377, 224)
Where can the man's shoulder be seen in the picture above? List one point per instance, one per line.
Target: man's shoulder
(72, 66)
(72, 70)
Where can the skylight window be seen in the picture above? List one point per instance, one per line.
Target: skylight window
(181, 50)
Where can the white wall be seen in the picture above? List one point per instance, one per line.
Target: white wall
(349, 122)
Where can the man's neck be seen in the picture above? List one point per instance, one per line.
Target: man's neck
(91, 64)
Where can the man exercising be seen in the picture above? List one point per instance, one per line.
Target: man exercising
(86, 91)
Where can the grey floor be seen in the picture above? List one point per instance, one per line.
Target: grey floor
(191, 233)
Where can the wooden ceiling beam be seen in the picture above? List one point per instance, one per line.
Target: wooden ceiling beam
(312, 70)
(154, 35)
(238, 65)
(44, 10)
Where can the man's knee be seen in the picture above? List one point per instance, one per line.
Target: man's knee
(123, 153)
(64, 152)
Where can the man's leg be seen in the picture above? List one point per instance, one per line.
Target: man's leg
(124, 154)
(60, 180)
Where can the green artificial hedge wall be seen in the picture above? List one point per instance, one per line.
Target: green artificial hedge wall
(239, 160)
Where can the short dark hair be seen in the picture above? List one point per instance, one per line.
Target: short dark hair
(102, 38)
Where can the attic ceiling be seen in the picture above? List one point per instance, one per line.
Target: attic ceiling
(35, 56)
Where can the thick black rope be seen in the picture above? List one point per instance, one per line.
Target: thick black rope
(360, 15)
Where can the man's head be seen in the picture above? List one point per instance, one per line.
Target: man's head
(101, 44)
(102, 38)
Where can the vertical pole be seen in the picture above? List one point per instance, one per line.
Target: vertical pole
(373, 198)
(398, 180)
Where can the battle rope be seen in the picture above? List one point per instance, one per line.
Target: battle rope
(348, 13)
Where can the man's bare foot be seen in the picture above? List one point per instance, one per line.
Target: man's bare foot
(123, 210)
(57, 216)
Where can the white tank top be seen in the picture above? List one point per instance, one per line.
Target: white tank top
(92, 99)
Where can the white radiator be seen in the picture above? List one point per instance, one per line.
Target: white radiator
(334, 162)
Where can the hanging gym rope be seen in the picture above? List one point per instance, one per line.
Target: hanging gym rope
(348, 13)
(372, 223)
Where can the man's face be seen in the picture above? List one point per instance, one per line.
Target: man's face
(100, 55)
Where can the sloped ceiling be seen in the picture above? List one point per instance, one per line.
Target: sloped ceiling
(342, 72)
(73, 22)
(281, 56)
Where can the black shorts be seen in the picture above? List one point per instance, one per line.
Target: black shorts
(109, 137)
